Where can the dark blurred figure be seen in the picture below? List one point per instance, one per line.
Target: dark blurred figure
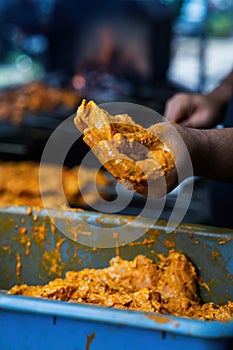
(111, 44)
(106, 49)
(73, 21)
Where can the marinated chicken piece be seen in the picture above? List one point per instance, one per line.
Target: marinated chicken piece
(179, 277)
(178, 283)
(210, 311)
(122, 275)
(127, 150)
(140, 284)
(24, 289)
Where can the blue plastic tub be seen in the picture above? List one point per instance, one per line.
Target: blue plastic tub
(29, 323)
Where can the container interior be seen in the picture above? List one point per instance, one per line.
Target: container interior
(33, 250)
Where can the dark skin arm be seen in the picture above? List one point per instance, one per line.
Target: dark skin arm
(211, 151)
(206, 153)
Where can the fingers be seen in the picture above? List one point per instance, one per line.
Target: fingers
(146, 177)
(195, 121)
(192, 110)
(200, 118)
(178, 107)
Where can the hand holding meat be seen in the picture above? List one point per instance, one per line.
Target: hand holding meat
(133, 155)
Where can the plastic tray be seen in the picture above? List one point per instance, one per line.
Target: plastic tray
(29, 323)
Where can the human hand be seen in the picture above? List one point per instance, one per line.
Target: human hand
(146, 161)
(194, 110)
(133, 155)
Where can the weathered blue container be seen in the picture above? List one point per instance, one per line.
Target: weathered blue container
(29, 323)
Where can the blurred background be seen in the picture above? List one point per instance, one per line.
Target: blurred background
(140, 51)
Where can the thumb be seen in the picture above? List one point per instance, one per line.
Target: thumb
(175, 109)
(196, 120)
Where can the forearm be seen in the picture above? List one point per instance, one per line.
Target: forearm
(211, 152)
(224, 91)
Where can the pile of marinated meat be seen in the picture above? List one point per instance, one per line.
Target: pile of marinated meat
(27, 182)
(33, 98)
(168, 288)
